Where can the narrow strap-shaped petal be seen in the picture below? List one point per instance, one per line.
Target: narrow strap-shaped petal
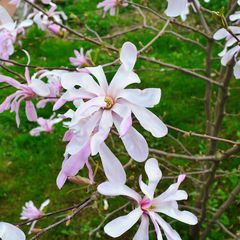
(143, 230)
(113, 169)
(128, 55)
(99, 74)
(31, 111)
(170, 233)
(122, 224)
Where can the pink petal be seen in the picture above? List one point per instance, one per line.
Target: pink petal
(31, 111)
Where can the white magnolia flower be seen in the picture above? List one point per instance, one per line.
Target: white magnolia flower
(147, 207)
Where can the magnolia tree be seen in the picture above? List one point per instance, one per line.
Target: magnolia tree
(97, 108)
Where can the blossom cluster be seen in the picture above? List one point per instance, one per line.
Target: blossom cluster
(98, 106)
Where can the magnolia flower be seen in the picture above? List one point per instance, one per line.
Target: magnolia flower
(8, 33)
(44, 22)
(81, 60)
(107, 104)
(30, 212)
(111, 6)
(53, 81)
(10, 232)
(76, 159)
(25, 92)
(228, 54)
(147, 207)
(45, 125)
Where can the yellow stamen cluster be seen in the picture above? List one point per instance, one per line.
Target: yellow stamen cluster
(109, 102)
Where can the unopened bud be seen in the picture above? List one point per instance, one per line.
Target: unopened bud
(79, 180)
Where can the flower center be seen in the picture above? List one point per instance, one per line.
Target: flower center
(146, 205)
(109, 102)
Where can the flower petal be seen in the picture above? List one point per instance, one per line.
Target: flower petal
(113, 169)
(99, 74)
(149, 121)
(128, 55)
(175, 7)
(39, 87)
(31, 111)
(11, 232)
(69, 80)
(113, 189)
(146, 98)
(154, 175)
(170, 233)
(122, 224)
(143, 230)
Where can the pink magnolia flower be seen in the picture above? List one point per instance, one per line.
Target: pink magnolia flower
(11, 232)
(8, 33)
(30, 212)
(25, 92)
(77, 158)
(44, 22)
(53, 81)
(81, 59)
(111, 6)
(147, 207)
(45, 125)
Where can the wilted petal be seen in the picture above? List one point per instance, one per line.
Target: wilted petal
(122, 224)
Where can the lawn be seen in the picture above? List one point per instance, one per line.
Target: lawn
(30, 165)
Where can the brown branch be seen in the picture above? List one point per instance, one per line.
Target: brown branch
(220, 211)
(69, 217)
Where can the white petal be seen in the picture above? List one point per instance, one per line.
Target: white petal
(11, 232)
(170, 233)
(122, 79)
(69, 80)
(154, 175)
(44, 204)
(128, 55)
(39, 87)
(175, 7)
(112, 167)
(149, 121)
(143, 230)
(112, 189)
(122, 224)
(99, 74)
(229, 55)
(237, 70)
(146, 98)
(220, 34)
(4, 16)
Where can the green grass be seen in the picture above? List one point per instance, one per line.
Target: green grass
(29, 165)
